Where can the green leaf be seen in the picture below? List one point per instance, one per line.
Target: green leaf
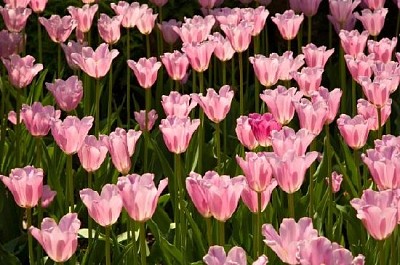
(7, 258)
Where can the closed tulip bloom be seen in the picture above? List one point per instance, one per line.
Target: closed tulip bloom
(217, 256)
(354, 130)
(70, 48)
(146, 21)
(336, 181)
(196, 190)
(262, 125)
(199, 54)
(377, 91)
(168, 32)
(361, 65)
(382, 49)
(290, 235)
(348, 24)
(341, 10)
(71, 133)
(312, 115)
(109, 28)
(239, 35)
(10, 43)
(372, 21)
(145, 71)
(26, 185)
(308, 7)
(353, 42)
(280, 102)
(121, 145)
(177, 105)
(12, 117)
(195, 29)
(177, 132)
(223, 47)
(159, 3)
(245, 134)
(309, 79)
(59, 241)
(140, 195)
(17, 3)
(316, 56)
(47, 196)
(287, 139)
(332, 99)
(370, 112)
(92, 153)
(176, 64)
(130, 12)
(58, 28)
(37, 118)
(21, 70)
(250, 197)
(67, 93)
(15, 18)
(288, 23)
(208, 4)
(38, 6)
(83, 16)
(104, 208)
(266, 69)
(95, 63)
(374, 4)
(378, 212)
(140, 118)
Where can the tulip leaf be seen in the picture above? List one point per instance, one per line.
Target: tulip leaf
(8, 258)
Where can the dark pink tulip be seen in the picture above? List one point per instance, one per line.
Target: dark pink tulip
(37, 118)
(67, 93)
(288, 23)
(250, 198)
(217, 256)
(17, 3)
(354, 130)
(177, 105)
(176, 64)
(26, 185)
(140, 195)
(377, 91)
(104, 208)
(38, 6)
(10, 43)
(287, 139)
(71, 133)
(199, 54)
(21, 70)
(331, 98)
(195, 29)
(146, 21)
(177, 132)
(239, 35)
(70, 48)
(15, 18)
(245, 134)
(266, 69)
(309, 79)
(382, 49)
(370, 112)
(280, 102)
(168, 32)
(353, 42)
(312, 115)
(121, 145)
(48, 196)
(262, 125)
(361, 65)
(145, 71)
(58, 28)
(95, 63)
(285, 243)
(59, 241)
(223, 47)
(109, 28)
(130, 12)
(159, 3)
(140, 118)
(92, 153)
(377, 211)
(336, 181)
(316, 56)
(373, 21)
(342, 10)
(83, 16)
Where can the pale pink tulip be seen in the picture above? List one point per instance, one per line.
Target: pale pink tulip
(266, 69)
(92, 153)
(370, 112)
(177, 105)
(331, 98)
(257, 17)
(341, 10)
(250, 197)
(354, 130)
(67, 93)
(12, 117)
(288, 23)
(245, 134)
(196, 190)
(309, 79)
(37, 118)
(199, 54)
(145, 71)
(361, 65)
(374, 4)
(109, 28)
(70, 48)
(226, 15)
(83, 16)
(308, 7)
(159, 3)
(373, 21)
(312, 115)
(38, 6)
(10, 43)
(348, 24)
(377, 91)
(239, 35)
(207, 4)
(262, 125)
(223, 47)
(389, 71)
(140, 118)
(168, 32)
(353, 42)
(217, 256)
(17, 3)
(58, 28)
(176, 64)
(316, 56)
(48, 196)
(287, 139)
(382, 49)
(288, 64)
(195, 29)
(130, 12)
(336, 181)
(15, 18)
(21, 70)
(146, 21)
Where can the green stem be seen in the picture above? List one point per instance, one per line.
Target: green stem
(39, 30)
(398, 23)
(224, 122)
(256, 82)
(59, 61)
(309, 29)
(3, 120)
(181, 207)
(381, 256)
(128, 79)
(289, 45)
(353, 98)
(331, 202)
(223, 73)
(209, 231)
(241, 96)
(87, 94)
(175, 199)
(90, 223)
(30, 242)
(330, 33)
(257, 230)
(201, 129)
(38, 152)
(388, 126)
(18, 130)
(148, 52)
(393, 259)
(218, 145)
(110, 87)
(233, 79)
(39, 252)
(70, 183)
(97, 108)
(221, 233)
(358, 177)
(146, 132)
(266, 39)
(108, 255)
(300, 39)
(291, 205)
(142, 243)
(313, 147)
(379, 109)
(134, 243)
(342, 79)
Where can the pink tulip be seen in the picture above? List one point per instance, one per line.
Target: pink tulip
(257, 17)
(196, 190)
(348, 24)
(104, 208)
(354, 130)
(26, 185)
(250, 197)
(195, 29)
(309, 79)
(67, 93)
(288, 64)
(17, 3)
(140, 195)
(109, 28)
(121, 145)
(291, 234)
(21, 70)
(245, 134)
(70, 48)
(239, 35)
(47, 196)
(215, 105)
(140, 118)
(226, 15)
(288, 23)
(130, 12)
(207, 4)
(262, 125)
(58, 28)
(382, 49)
(374, 4)
(95, 63)
(37, 118)
(312, 114)
(389, 71)
(15, 18)
(223, 47)
(168, 32)
(10, 43)
(177, 105)
(145, 71)
(38, 6)
(176, 64)
(336, 181)
(342, 10)
(280, 102)
(316, 56)
(370, 112)
(177, 132)
(331, 98)
(59, 241)
(287, 139)
(377, 211)
(71, 133)
(92, 153)
(216, 256)
(146, 21)
(376, 91)
(12, 117)
(372, 21)
(361, 65)
(266, 69)
(199, 54)
(353, 42)
(83, 16)
(159, 3)
(308, 7)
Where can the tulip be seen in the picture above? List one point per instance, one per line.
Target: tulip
(83, 16)
(354, 130)
(37, 118)
(353, 42)
(257, 17)
(336, 181)
(308, 7)
(130, 12)
(287, 139)
(177, 105)
(176, 64)
(245, 134)
(239, 35)
(382, 49)
(342, 10)
(145, 23)
(159, 3)
(21, 70)
(331, 98)
(348, 24)
(70, 48)
(17, 3)
(195, 29)
(312, 114)
(370, 112)
(376, 91)
(168, 32)
(199, 54)
(92, 153)
(361, 65)
(58, 28)
(47, 196)
(223, 47)
(15, 18)
(316, 56)
(38, 6)
(216, 256)
(309, 79)
(140, 118)
(10, 43)
(288, 64)
(67, 93)
(109, 28)
(374, 4)
(145, 71)
(266, 69)
(262, 126)
(372, 21)
(288, 23)
(250, 197)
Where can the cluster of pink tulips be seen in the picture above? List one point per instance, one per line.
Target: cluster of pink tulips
(258, 132)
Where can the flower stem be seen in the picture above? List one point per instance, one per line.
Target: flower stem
(30, 242)
(218, 146)
(107, 246)
(70, 183)
(256, 82)
(146, 132)
(97, 108)
(128, 79)
(353, 98)
(398, 23)
(181, 207)
(358, 177)
(379, 109)
(241, 96)
(148, 52)
(291, 205)
(289, 45)
(311, 187)
(59, 61)
(175, 199)
(90, 223)
(257, 228)
(17, 130)
(134, 245)
(309, 28)
(342, 79)
(3, 120)
(209, 231)
(201, 129)
(221, 233)
(330, 203)
(110, 87)
(142, 243)
(38, 152)
(39, 30)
